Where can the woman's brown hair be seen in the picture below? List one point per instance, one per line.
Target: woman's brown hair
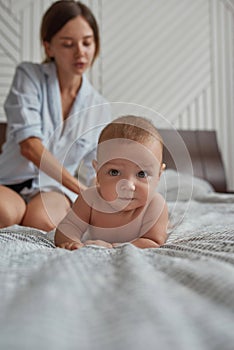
(62, 11)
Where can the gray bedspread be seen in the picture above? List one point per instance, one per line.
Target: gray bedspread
(180, 296)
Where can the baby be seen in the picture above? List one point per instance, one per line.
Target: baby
(123, 206)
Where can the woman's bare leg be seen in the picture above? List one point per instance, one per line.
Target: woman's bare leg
(12, 207)
(46, 210)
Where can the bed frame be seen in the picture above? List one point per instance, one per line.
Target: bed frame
(2, 134)
(203, 150)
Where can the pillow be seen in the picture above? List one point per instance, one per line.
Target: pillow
(183, 187)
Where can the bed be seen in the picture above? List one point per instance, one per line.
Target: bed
(179, 296)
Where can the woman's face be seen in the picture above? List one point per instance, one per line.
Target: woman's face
(73, 47)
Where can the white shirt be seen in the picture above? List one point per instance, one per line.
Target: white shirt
(33, 108)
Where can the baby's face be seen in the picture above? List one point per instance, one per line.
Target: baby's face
(128, 172)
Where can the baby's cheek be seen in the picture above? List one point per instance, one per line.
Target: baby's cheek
(109, 192)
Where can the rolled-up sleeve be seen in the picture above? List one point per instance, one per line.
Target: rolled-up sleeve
(23, 104)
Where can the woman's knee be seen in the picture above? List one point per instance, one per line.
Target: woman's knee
(46, 210)
(41, 222)
(12, 207)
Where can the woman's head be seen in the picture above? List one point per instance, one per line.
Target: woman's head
(59, 14)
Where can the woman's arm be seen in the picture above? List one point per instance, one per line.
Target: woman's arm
(33, 149)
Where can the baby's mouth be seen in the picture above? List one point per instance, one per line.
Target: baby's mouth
(126, 198)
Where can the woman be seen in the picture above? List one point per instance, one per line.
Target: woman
(52, 125)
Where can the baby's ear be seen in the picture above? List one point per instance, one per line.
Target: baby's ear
(95, 164)
(163, 167)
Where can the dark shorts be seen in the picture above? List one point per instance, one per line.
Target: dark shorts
(20, 186)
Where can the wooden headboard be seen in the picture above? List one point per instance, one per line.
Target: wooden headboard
(203, 151)
(2, 134)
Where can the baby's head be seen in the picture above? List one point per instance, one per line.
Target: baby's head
(129, 159)
(134, 128)
(123, 130)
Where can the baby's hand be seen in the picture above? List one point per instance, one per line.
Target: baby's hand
(114, 245)
(98, 242)
(71, 245)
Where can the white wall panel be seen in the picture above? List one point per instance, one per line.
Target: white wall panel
(175, 56)
(19, 32)
(156, 53)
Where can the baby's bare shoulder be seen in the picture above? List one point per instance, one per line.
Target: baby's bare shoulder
(157, 200)
(156, 207)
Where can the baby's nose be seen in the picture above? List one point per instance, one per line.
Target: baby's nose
(126, 185)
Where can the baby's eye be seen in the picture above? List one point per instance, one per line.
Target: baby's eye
(142, 174)
(113, 172)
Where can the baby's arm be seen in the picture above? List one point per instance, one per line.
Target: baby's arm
(154, 228)
(71, 229)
